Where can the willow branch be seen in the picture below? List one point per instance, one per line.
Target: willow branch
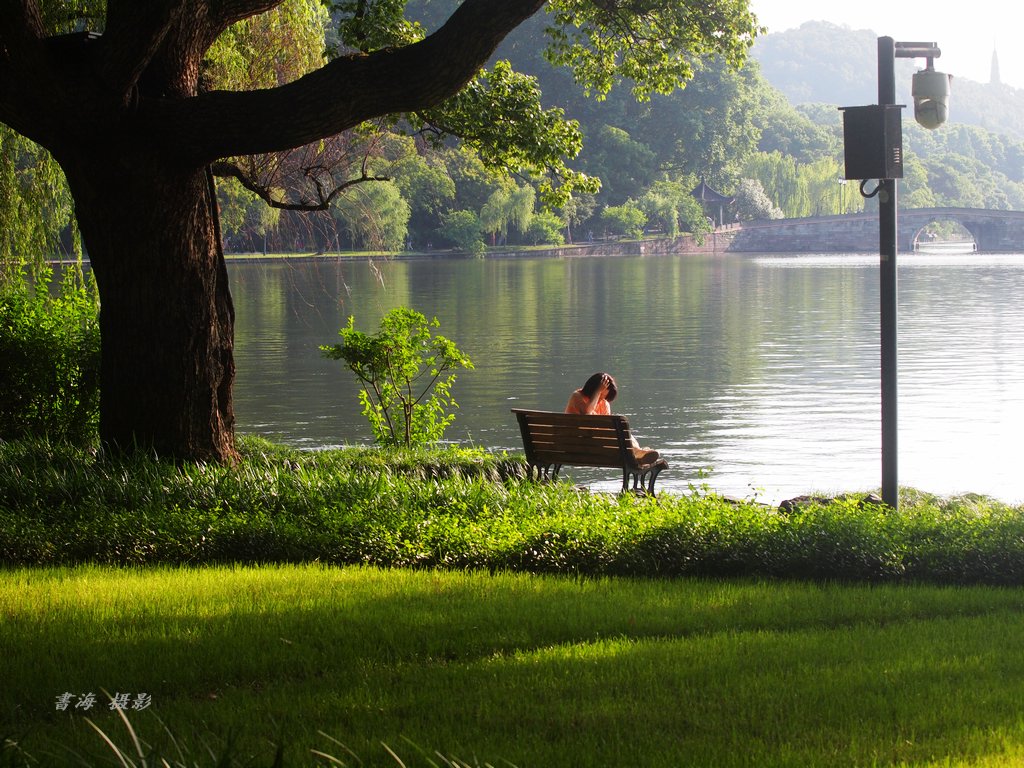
(226, 169)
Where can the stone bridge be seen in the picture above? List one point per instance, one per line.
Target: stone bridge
(993, 231)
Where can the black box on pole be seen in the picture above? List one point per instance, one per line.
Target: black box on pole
(873, 140)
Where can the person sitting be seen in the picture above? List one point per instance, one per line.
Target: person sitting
(594, 398)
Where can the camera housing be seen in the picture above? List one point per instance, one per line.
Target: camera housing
(930, 90)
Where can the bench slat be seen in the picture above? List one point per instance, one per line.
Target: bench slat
(553, 439)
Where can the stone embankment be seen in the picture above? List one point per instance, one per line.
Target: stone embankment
(718, 241)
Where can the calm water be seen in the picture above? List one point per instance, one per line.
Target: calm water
(760, 371)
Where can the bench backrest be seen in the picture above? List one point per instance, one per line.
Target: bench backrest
(551, 438)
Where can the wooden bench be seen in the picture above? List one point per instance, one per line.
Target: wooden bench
(553, 439)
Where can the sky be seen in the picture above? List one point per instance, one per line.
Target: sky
(966, 39)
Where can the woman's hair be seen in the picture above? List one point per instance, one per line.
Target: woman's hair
(594, 383)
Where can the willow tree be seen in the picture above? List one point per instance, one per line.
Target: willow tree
(120, 105)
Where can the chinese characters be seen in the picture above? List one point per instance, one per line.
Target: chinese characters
(68, 701)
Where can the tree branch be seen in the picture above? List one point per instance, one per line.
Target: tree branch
(342, 94)
(224, 13)
(26, 70)
(134, 33)
(225, 169)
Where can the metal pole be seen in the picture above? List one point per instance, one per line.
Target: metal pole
(887, 289)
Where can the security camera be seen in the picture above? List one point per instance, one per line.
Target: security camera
(931, 97)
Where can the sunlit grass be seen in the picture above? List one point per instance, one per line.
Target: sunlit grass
(532, 670)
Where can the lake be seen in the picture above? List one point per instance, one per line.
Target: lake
(756, 374)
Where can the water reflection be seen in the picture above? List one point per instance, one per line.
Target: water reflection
(763, 370)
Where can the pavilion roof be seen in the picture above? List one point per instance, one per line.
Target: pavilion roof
(706, 194)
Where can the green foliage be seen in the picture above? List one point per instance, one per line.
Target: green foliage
(406, 374)
(714, 123)
(545, 227)
(462, 508)
(626, 166)
(670, 205)
(35, 207)
(802, 189)
(463, 229)
(914, 190)
(375, 215)
(651, 44)
(49, 361)
(626, 219)
(425, 183)
(269, 49)
(499, 116)
(245, 219)
(509, 205)
(806, 131)
(367, 26)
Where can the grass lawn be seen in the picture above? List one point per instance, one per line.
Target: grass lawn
(419, 667)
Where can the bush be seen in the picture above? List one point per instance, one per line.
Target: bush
(50, 361)
(626, 219)
(545, 227)
(466, 508)
(462, 228)
(406, 376)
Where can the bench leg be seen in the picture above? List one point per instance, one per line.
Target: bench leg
(543, 472)
(653, 476)
(643, 482)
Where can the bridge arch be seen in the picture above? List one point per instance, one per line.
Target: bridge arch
(960, 237)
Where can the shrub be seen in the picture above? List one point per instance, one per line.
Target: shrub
(462, 228)
(545, 227)
(50, 360)
(466, 508)
(626, 219)
(406, 376)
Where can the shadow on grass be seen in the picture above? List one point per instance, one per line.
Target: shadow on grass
(521, 668)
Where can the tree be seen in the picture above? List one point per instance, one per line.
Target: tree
(406, 375)
(545, 227)
(462, 229)
(115, 94)
(35, 206)
(245, 219)
(426, 185)
(914, 190)
(713, 124)
(510, 204)
(670, 204)
(375, 215)
(752, 203)
(626, 166)
(626, 219)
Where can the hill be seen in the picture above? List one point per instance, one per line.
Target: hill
(821, 62)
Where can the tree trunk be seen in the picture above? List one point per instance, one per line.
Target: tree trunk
(166, 315)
